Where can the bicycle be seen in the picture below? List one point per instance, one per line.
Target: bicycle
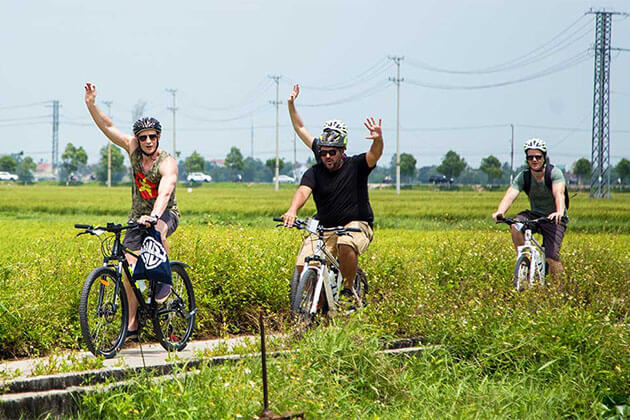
(103, 310)
(317, 289)
(530, 260)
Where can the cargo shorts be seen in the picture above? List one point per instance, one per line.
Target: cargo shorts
(359, 241)
(134, 237)
(552, 233)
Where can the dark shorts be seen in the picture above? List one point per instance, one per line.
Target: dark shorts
(552, 233)
(134, 237)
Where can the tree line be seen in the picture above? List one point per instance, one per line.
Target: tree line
(235, 167)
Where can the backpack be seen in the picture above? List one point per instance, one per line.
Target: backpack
(527, 183)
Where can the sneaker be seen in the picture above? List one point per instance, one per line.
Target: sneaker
(131, 336)
(162, 292)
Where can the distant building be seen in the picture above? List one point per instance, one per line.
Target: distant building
(44, 172)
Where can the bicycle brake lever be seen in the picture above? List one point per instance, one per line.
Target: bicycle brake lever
(80, 233)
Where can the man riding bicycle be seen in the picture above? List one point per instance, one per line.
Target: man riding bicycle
(154, 174)
(339, 186)
(546, 188)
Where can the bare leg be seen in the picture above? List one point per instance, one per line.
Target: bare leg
(556, 268)
(517, 237)
(348, 261)
(132, 325)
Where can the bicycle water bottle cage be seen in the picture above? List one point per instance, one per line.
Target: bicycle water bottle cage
(311, 225)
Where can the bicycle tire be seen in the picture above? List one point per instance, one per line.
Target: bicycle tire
(304, 295)
(294, 284)
(103, 325)
(174, 319)
(361, 286)
(521, 273)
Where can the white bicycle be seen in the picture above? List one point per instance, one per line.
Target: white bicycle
(318, 288)
(530, 260)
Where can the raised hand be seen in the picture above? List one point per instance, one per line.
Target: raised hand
(90, 93)
(294, 94)
(376, 132)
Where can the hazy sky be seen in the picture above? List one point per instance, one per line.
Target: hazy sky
(219, 54)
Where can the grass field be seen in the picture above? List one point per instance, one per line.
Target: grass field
(438, 268)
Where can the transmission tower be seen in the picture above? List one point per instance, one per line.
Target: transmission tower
(276, 78)
(600, 151)
(397, 59)
(55, 135)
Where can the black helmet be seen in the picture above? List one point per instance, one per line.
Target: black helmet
(146, 123)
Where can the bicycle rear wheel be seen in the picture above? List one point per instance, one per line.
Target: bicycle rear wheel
(174, 320)
(304, 295)
(521, 273)
(103, 312)
(361, 286)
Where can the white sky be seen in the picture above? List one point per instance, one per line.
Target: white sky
(217, 53)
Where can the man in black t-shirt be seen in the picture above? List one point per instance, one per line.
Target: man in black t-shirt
(339, 184)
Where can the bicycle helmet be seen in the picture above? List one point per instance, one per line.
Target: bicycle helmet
(536, 144)
(146, 123)
(335, 134)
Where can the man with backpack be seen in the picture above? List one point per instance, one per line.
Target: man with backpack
(546, 188)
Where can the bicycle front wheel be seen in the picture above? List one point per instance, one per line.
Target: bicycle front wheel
(103, 312)
(174, 320)
(304, 296)
(521, 272)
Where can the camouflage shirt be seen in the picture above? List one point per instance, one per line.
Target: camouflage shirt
(144, 189)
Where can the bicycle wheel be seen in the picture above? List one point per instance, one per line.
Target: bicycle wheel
(174, 320)
(521, 273)
(304, 297)
(361, 286)
(103, 312)
(294, 284)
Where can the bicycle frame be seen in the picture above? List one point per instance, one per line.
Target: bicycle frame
(323, 258)
(534, 250)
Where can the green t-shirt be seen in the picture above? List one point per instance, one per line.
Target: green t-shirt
(540, 197)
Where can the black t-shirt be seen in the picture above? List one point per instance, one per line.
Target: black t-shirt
(340, 196)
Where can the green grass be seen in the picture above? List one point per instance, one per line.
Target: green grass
(438, 268)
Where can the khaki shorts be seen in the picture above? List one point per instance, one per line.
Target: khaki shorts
(359, 241)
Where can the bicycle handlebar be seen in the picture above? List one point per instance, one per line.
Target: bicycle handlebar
(111, 227)
(301, 224)
(533, 222)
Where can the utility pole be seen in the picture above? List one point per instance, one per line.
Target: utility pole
(512, 156)
(600, 149)
(109, 148)
(276, 78)
(397, 59)
(252, 139)
(55, 135)
(173, 108)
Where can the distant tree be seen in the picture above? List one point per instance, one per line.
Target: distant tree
(491, 166)
(581, 169)
(407, 166)
(72, 159)
(623, 169)
(452, 165)
(234, 159)
(195, 163)
(26, 168)
(118, 165)
(8, 164)
(271, 164)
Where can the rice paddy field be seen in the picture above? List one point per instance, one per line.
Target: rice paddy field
(438, 268)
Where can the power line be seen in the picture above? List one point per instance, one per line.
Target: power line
(563, 65)
(529, 58)
(377, 69)
(239, 117)
(360, 95)
(261, 88)
(24, 105)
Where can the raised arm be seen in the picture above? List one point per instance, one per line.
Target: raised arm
(506, 202)
(105, 124)
(299, 198)
(376, 135)
(298, 125)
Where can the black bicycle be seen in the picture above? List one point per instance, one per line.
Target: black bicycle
(103, 309)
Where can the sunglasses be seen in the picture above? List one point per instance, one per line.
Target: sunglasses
(324, 153)
(145, 137)
(532, 157)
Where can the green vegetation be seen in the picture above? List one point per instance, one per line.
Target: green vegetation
(438, 269)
